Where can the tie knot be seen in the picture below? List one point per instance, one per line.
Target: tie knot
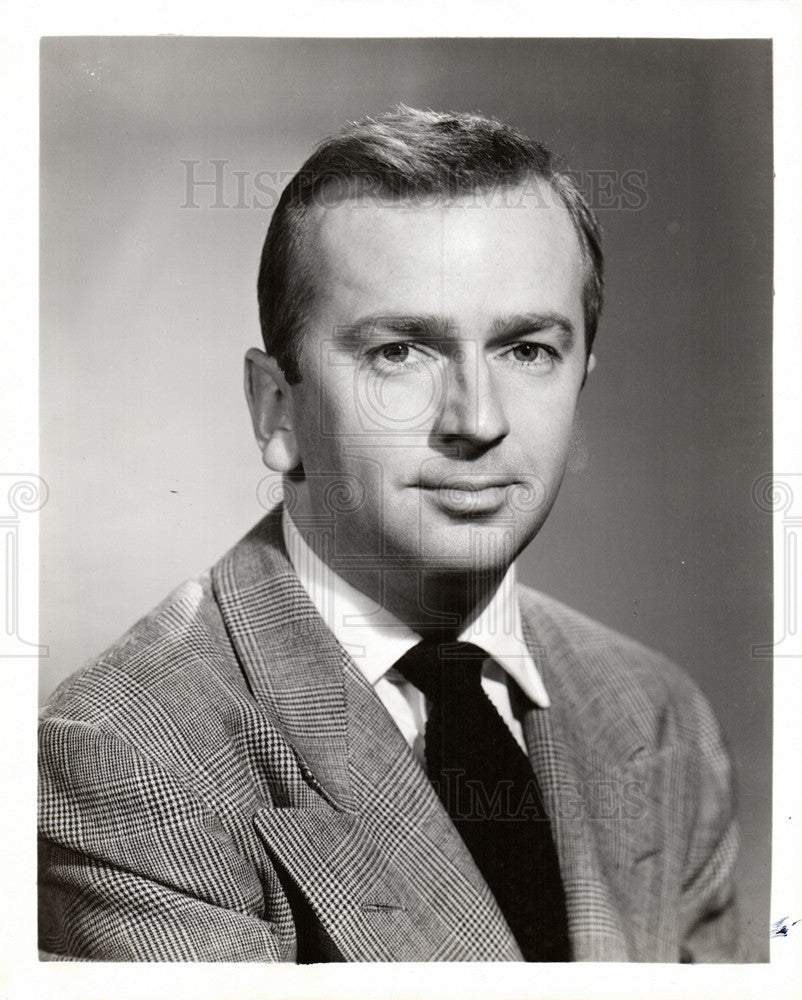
(435, 666)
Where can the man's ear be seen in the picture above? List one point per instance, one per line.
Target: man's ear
(268, 397)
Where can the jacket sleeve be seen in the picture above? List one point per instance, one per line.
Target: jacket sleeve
(711, 929)
(134, 866)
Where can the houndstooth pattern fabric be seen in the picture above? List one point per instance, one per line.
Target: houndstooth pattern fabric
(224, 785)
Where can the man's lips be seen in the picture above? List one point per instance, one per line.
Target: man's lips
(474, 484)
(466, 497)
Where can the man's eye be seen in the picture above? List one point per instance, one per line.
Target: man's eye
(525, 352)
(397, 353)
(399, 356)
(534, 354)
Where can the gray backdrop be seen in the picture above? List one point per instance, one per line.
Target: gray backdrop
(148, 304)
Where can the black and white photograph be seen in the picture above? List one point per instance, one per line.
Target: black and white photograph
(408, 515)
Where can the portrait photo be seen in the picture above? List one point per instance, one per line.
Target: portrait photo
(367, 363)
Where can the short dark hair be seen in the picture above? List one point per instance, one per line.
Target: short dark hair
(405, 154)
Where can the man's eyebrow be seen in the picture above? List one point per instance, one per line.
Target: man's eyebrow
(431, 327)
(425, 327)
(505, 327)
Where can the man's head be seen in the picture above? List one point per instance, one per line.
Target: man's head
(411, 155)
(427, 343)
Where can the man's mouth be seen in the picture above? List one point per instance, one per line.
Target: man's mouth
(468, 496)
(474, 483)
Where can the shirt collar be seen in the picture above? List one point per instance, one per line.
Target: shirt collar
(375, 639)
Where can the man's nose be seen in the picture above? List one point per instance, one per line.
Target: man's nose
(472, 404)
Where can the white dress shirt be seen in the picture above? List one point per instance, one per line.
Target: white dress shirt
(375, 639)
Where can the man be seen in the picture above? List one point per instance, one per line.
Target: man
(358, 738)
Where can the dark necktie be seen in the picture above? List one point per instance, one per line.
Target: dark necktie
(488, 787)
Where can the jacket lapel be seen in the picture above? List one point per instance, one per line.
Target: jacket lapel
(593, 920)
(377, 857)
(290, 659)
(390, 879)
(609, 821)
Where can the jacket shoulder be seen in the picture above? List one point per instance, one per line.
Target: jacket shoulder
(175, 663)
(571, 630)
(623, 690)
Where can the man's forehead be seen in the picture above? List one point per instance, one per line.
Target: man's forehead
(465, 261)
(361, 224)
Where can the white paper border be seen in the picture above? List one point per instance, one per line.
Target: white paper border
(21, 975)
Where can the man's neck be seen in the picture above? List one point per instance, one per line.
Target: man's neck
(428, 601)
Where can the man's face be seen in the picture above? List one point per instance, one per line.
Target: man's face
(440, 375)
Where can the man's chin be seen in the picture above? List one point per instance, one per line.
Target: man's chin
(471, 550)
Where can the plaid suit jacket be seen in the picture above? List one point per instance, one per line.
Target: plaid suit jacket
(224, 785)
